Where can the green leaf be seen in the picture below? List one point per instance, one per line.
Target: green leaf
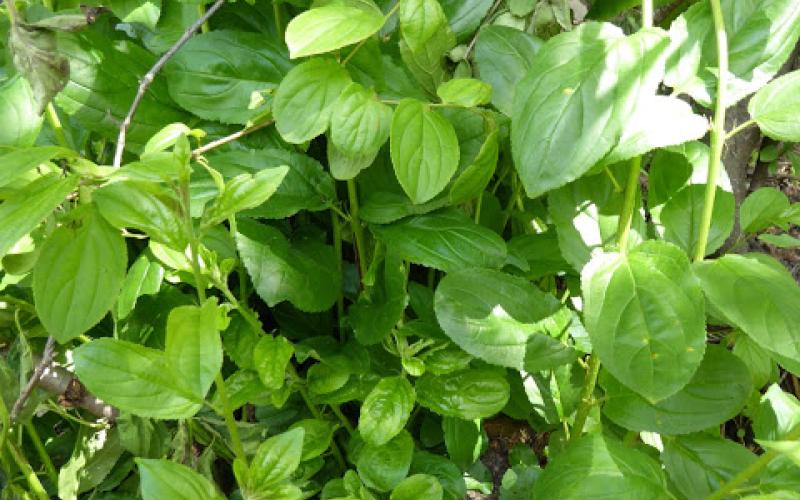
(717, 392)
(74, 261)
(146, 206)
(464, 440)
(332, 26)
(165, 479)
(386, 410)
(359, 127)
(143, 278)
(446, 240)
(18, 106)
(644, 313)
(304, 271)
(18, 162)
(469, 394)
(276, 459)
(425, 37)
(775, 107)
(245, 191)
(305, 99)
(762, 208)
(466, 92)
(465, 16)
(493, 315)
(770, 25)
(93, 458)
(317, 436)
(699, 465)
(560, 126)
(383, 467)
(270, 358)
(474, 179)
(380, 306)
(757, 296)
(448, 474)
(416, 487)
(597, 463)
(36, 56)
(682, 216)
(24, 209)
(215, 73)
(776, 416)
(780, 240)
(145, 12)
(503, 56)
(424, 150)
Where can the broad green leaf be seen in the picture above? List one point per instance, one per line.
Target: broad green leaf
(717, 392)
(417, 487)
(775, 107)
(215, 73)
(303, 271)
(467, 92)
(464, 440)
(780, 240)
(789, 449)
(359, 127)
(34, 52)
(383, 467)
(762, 208)
(448, 474)
(17, 162)
(425, 37)
(597, 463)
(503, 56)
(135, 379)
(276, 459)
(317, 436)
(560, 125)
(332, 26)
(379, 307)
(474, 179)
(25, 208)
(446, 240)
(493, 315)
(305, 99)
(776, 416)
(243, 387)
(93, 458)
(644, 313)
(270, 358)
(682, 216)
(761, 36)
(193, 346)
(469, 394)
(306, 185)
(18, 107)
(386, 410)
(465, 16)
(699, 464)
(757, 297)
(146, 206)
(385, 207)
(143, 278)
(162, 479)
(245, 191)
(78, 276)
(424, 150)
(145, 12)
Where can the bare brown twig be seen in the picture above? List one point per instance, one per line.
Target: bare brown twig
(148, 78)
(230, 138)
(47, 358)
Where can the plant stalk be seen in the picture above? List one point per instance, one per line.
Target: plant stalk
(336, 228)
(30, 475)
(717, 131)
(55, 125)
(52, 475)
(358, 230)
(230, 422)
(629, 204)
(587, 398)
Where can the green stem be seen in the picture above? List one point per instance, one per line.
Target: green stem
(717, 131)
(629, 204)
(358, 230)
(754, 468)
(33, 480)
(336, 228)
(55, 125)
(240, 271)
(201, 10)
(587, 398)
(5, 421)
(343, 419)
(276, 13)
(230, 422)
(739, 128)
(52, 475)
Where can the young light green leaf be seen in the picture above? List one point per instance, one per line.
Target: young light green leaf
(383, 467)
(305, 99)
(417, 487)
(145, 12)
(18, 106)
(493, 315)
(17, 162)
(775, 107)
(561, 127)
(386, 410)
(598, 463)
(166, 479)
(717, 392)
(474, 179)
(24, 209)
(425, 39)
(243, 192)
(645, 314)
(777, 414)
(73, 261)
(143, 278)
(469, 394)
(304, 271)
(270, 358)
(763, 208)
(332, 26)
(424, 150)
(317, 436)
(446, 240)
(193, 346)
(276, 459)
(466, 92)
(215, 73)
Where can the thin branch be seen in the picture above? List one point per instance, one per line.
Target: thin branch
(230, 138)
(148, 78)
(47, 358)
(71, 393)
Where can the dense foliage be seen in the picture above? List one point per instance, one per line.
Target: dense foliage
(337, 249)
